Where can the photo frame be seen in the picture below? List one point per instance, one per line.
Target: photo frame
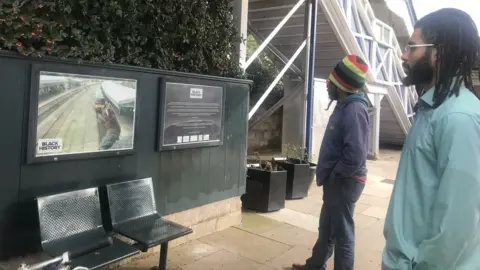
(79, 113)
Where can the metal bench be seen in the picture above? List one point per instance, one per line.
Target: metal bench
(72, 222)
(133, 214)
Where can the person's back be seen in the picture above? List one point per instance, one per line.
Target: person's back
(433, 220)
(333, 144)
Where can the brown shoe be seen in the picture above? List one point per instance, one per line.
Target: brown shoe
(297, 266)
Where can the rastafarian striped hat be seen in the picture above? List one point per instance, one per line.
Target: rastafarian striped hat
(349, 74)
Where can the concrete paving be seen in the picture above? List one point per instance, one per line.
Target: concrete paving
(276, 240)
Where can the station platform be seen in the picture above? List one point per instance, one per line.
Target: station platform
(276, 240)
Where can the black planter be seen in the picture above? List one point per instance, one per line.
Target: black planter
(299, 178)
(265, 191)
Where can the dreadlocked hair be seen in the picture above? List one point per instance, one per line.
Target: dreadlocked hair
(455, 36)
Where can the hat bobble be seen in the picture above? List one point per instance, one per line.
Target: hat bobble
(349, 74)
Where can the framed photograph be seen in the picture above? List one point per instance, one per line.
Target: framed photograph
(191, 114)
(74, 115)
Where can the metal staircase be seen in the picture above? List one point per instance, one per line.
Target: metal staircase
(341, 27)
(265, 15)
(377, 43)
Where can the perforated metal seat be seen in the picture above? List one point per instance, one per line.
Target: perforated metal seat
(72, 222)
(134, 214)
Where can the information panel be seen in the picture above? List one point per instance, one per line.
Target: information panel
(192, 116)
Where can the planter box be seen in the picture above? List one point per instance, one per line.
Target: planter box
(265, 191)
(299, 178)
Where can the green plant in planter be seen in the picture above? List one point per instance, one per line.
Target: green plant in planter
(297, 155)
(265, 164)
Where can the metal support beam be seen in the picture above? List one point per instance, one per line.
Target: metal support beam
(411, 11)
(348, 12)
(277, 79)
(377, 101)
(382, 64)
(405, 97)
(240, 11)
(310, 78)
(274, 50)
(306, 67)
(274, 32)
(296, 91)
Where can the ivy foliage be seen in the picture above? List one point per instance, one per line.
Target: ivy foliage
(184, 35)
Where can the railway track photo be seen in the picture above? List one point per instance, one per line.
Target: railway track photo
(86, 114)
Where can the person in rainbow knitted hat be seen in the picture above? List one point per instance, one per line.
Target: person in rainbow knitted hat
(348, 77)
(341, 167)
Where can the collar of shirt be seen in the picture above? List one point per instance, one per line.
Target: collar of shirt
(427, 97)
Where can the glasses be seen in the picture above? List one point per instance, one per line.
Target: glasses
(410, 47)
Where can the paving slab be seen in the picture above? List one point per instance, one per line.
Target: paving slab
(376, 212)
(359, 208)
(374, 200)
(364, 222)
(251, 246)
(378, 189)
(305, 206)
(298, 254)
(315, 191)
(372, 237)
(293, 236)
(223, 260)
(301, 220)
(256, 223)
(186, 254)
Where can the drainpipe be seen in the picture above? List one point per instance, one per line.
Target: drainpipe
(310, 79)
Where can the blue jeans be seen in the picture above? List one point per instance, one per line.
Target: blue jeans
(336, 229)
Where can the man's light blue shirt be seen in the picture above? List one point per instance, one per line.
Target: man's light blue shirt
(433, 220)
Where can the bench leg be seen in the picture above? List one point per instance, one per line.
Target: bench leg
(162, 264)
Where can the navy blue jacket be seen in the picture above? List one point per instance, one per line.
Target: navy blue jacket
(345, 145)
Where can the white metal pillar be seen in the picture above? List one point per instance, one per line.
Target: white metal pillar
(306, 67)
(240, 11)
(377, 101)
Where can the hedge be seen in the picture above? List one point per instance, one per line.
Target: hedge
(184, 35)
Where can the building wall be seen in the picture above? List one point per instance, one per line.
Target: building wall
(267, 135)
(183, 179)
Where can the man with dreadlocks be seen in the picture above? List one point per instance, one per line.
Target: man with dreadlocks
(341, 167)
(433, 220)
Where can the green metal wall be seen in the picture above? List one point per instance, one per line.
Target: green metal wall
(183, 179)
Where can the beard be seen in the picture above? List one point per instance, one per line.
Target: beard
(420, 73)
(333, 96)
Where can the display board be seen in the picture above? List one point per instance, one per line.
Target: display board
(191, 115)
